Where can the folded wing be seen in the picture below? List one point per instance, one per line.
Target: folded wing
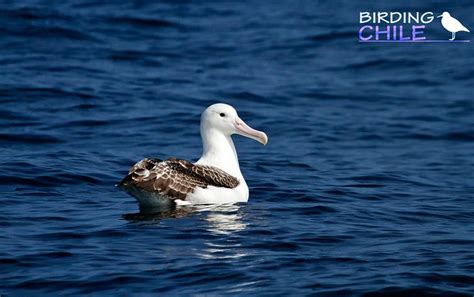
(175, 178)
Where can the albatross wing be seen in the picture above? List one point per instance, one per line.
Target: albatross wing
(173, 178)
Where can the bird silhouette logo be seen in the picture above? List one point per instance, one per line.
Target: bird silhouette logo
(452, 25)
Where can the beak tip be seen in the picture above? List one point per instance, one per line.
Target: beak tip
(244, 130)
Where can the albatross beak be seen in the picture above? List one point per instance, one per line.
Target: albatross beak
(244, 130)
(439, 16)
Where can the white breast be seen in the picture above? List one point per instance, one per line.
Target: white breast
(219, 195)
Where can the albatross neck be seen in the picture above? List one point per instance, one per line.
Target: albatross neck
(219, 151)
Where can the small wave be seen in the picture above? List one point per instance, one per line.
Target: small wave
(382, 63)
(40, 256)
(9, 261)
(418, 291)
(449, 278)
(275, 245)
(385, 179)
(32, 92)
(14, 115)
(421, 118)
(52, 33)
(315, 210)
(144, 22)
(410, 82)
(364, 186)
(49, 180)
(452, 136)
(29, 138)
(33, 14)
(83, 123)
(331, 36)
(324, 239)
(452, 241)
(135, 56)
(63, 235)
(247, 95)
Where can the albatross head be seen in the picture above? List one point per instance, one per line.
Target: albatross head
(224, 118)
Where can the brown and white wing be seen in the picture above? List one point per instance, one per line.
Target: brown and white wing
(174, 178)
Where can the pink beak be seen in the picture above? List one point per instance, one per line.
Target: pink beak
(244, 130)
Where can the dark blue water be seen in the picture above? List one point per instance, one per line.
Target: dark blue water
(365, 188)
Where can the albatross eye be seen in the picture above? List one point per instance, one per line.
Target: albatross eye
(222, 114)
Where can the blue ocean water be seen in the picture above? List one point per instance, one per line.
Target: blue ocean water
(365, 188)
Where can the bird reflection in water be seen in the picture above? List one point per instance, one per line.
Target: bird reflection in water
(155, 215)
(223, 219)
(224, 222)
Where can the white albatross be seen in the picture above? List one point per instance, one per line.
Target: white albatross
(452, 25)
(214, 179)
